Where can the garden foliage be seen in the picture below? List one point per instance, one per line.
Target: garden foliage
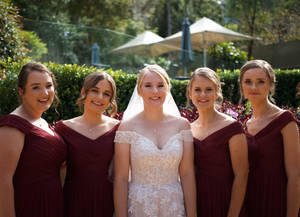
(70, 80)
(11, 40)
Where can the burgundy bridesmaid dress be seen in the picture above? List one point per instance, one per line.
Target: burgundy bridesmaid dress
(37, 186)
(267, 181)
(214, 174)
(88, 190)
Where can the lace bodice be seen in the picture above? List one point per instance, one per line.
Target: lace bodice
(154, 174)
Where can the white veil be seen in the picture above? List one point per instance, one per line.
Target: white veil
(136, 105)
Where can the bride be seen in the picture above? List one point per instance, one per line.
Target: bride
(156, 144)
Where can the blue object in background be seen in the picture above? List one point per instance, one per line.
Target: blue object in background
(186, 54)
(95, 55)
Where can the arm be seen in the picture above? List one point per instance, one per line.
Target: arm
(187, 176)
(122, 159)
(290, 135)
(239, 160)
(11, 145)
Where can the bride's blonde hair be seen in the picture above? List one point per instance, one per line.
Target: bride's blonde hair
(156, 69)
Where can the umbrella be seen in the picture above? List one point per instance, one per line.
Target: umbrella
(146, 44)
(205, 32)
(95, 54)
(186, 53)
(96, 59)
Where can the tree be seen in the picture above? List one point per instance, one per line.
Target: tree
(247, 12)
(104, 13)
(11, 43)
(169, 14)
(272, 20)
(34, 44)
(282, 24)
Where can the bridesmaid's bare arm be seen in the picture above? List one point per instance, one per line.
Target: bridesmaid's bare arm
(63, 171)
(239, 160)
(187, 177)
(290, 135)
(122, 159)
(11, 145)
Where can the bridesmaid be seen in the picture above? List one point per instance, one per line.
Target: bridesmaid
(88, 190)
(274, 150)
(31, 153)
(221, 162)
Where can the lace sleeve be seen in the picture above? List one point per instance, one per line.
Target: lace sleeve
(124, 137)
(186, 135)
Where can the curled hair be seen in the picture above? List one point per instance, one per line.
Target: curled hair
(30, 67)
(267, 68)
(212, 76)
(156, 69)
(91, 81)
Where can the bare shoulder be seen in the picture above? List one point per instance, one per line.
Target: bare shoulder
(226, 119)
(71, 122)
(111, 121)
(276, 111)
(131, 123)
(182, 123)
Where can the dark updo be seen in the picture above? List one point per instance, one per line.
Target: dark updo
(31, 67)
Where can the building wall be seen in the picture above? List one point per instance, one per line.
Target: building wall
(285, 55)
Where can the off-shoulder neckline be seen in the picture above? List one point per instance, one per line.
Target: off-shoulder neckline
(80, 134)
(53, 134)
(266, 127)
(165, 145)
(216, 132)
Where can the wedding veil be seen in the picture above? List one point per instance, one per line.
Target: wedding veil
(136, 105)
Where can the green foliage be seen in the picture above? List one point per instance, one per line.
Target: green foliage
(70, 79)
(34, 44)
(11, 40)
(227, 56)
(230, 85)
(272, 20)
(177, 10)
(211, 9)
(107, 14)
(286, 87)
(163, 62)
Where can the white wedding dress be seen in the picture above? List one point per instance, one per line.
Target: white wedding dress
(155, 189)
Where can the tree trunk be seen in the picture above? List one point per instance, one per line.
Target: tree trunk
(169, 18)
(252, 28)
(250, 49)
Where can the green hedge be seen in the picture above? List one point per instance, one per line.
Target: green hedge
(70, 79)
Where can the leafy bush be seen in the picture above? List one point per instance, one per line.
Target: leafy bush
(70, 79)
(11, 39)
(240, 112)
(35, 45)
(227, 56)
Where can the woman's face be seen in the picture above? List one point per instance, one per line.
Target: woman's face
(203, 93)
(256, 85)
(39, 92)
(153, 90)
(98, 97)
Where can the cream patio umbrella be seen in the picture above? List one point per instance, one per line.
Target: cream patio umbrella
(205, 32)
(146, 44)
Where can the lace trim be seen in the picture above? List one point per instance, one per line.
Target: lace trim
(124, 137)
(186, 135)
(130, 136)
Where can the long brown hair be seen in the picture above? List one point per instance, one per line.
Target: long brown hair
(91, 81)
